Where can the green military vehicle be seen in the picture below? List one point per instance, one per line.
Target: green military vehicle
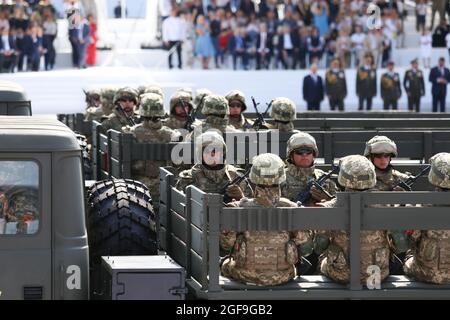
(13, 100)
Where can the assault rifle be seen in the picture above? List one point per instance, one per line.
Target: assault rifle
(259, 122)
(408, 183)
(124, 114)
(237, 180)
(304, 195)
(192, 115)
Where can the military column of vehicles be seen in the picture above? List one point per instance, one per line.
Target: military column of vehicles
(250, 212)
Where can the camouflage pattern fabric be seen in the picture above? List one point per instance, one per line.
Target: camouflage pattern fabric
(387, 179)
(301, 140)
(282, 127)
(439, 175)
(200, 96)
(380, 144)
(107, 100)
(241, 123)
(283, 109)
(215, 105)
(238, 96)
(115, 121)
(357, 173)
(152, 105)
(177, 98)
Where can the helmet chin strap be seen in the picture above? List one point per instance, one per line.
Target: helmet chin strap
(214, 168)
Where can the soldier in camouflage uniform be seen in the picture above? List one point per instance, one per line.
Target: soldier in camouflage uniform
(391, 89)
(107, 99)
(356, 173)
(380, 150)
(199, 100)
(125, 101)
(430, 259)
(283, 113)
(265, 257)
(93, 105)
(151, 130)
(336, 86)
(217, 112)
(180, 107)
(414, 86)
(236, 102)
(213, 174)
(300, 169)
(150, 89)
(366, 83)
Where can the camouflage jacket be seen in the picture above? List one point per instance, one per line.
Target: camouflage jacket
(241, 123)
(389, 178)
(430, 259)
(210, 181)
(335, 261)
(115, 121)
(264, 257)
(297, 179)
(282, 127)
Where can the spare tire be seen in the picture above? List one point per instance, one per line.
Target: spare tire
(119, 219)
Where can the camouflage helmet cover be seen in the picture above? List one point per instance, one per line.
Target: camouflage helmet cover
(126, 92)
(152, 105)
(211, 138)
(154, 89)
(93, 93)
(439, 175)
(302, 140)
(200, 96)
(108, 94)
(357, 172)
(180, 96)
(283, 109)
(215, 105)
(380, 144)
(236, 95)
(267, 169)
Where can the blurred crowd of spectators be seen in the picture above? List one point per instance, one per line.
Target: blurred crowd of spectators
(290, 34)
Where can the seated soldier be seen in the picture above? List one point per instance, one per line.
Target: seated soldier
(357, 174)
(283, 114)
(429, 259)
(93, 105)
(214, 174)
(236, 102)
(265, 258)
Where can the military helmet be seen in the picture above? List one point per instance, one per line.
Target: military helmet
(189, 92)
(211, 138)
(154, 89)
(439, 175)
(108, 94)
(126, 92)
(236, 95)
(93, 94)
(380, 144)
(357, 172)
(267, 169)
(283, 109)
(215, 105)
(179, 96)
(152, 105)
(301, 140)
(200, 96)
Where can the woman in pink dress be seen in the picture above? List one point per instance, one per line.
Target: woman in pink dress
(91, 55)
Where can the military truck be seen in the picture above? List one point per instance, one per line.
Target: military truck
(13, 100)
(45, 217)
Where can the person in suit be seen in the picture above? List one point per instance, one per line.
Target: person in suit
(439, 77)
(33, 48)
(313, 92)
(238, 48)
(287, 44)
(264, 47)
(414, 86)
(8, 52)
(391, 89)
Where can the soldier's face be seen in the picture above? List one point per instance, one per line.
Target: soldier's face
(235, 108)
(390, 67)
(303, 159)
(213, 156)
(127, 105)
(381, 161)
(181, 111)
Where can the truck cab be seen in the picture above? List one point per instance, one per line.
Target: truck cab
(13, 100)
(43, 237)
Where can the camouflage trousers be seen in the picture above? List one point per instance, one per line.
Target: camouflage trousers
(415, 268)
(333, 264)
(258, 277)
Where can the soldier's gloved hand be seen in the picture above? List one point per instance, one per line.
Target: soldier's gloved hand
(235, 192)
(319, 195)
